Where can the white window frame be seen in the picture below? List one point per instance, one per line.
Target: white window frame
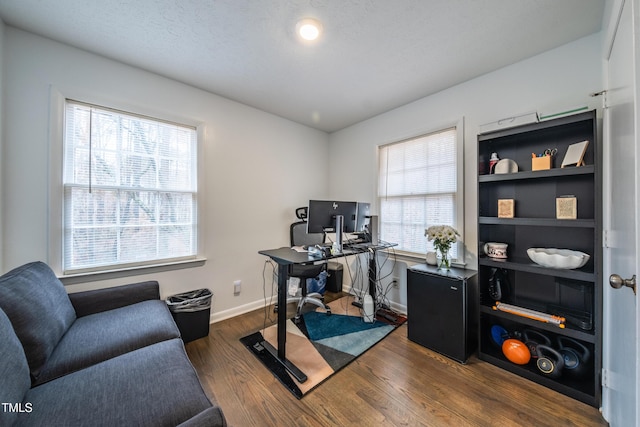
(459, 196)
(56, 229)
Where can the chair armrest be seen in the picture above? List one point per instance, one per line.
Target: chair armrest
(99, 300)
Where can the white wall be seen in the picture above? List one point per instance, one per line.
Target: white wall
(253, 179)
(563, 77)
(254, 165)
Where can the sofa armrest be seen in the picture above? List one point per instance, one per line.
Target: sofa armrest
(99, 300)
(211, 417)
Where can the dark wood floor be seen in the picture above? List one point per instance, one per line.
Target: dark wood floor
(396, 383)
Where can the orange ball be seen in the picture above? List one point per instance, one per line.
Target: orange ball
(516, 351)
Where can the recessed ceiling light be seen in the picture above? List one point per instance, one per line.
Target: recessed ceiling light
(309, 29)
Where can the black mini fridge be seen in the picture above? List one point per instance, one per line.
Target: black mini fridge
(442, 310)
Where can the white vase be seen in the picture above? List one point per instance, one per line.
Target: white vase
(431, 258)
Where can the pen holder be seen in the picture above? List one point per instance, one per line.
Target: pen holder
(541, 163)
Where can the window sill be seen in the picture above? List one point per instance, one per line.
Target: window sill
(74, 279)
(419, 258)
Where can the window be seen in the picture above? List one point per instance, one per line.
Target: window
(130, 190)
(418, 188)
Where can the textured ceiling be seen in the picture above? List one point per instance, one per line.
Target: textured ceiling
(374, 55)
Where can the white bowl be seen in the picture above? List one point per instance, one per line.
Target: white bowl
(558, 258)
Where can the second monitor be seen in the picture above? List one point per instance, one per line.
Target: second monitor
(363, 217)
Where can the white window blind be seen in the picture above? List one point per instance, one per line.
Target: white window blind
(417, 189)
(130, 189)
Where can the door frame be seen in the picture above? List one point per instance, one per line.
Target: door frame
(615, 14)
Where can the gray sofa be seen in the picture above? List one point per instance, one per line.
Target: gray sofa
(110, 357)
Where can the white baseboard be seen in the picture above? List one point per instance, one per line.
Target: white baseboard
(399, 308)
(237, 311)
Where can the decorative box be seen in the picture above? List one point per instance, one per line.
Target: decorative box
(506, 208)
(541, 163)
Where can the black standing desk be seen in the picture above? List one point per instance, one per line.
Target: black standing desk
(285, 257)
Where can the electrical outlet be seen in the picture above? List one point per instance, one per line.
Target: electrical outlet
(236, 287)
(396, 282)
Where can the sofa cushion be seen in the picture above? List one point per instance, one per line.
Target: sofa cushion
(152, 386)
(14, 370)
(39, 309)
(98, 337)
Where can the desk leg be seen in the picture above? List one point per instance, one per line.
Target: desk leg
(283, 274)
(373, 275)
(280, 354)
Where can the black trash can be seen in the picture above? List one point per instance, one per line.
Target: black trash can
(191, 312)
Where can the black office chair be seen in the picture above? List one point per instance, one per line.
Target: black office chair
(299, 237)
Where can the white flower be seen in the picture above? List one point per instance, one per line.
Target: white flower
(442, 235)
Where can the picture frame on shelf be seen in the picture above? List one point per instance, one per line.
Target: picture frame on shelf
(566, 207)
(575, 154)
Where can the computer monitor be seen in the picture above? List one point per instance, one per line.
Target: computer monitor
(321, 216)
(363, 216)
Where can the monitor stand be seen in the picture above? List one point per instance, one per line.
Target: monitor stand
(339, 230)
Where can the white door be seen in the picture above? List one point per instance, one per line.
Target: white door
(620, 311)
